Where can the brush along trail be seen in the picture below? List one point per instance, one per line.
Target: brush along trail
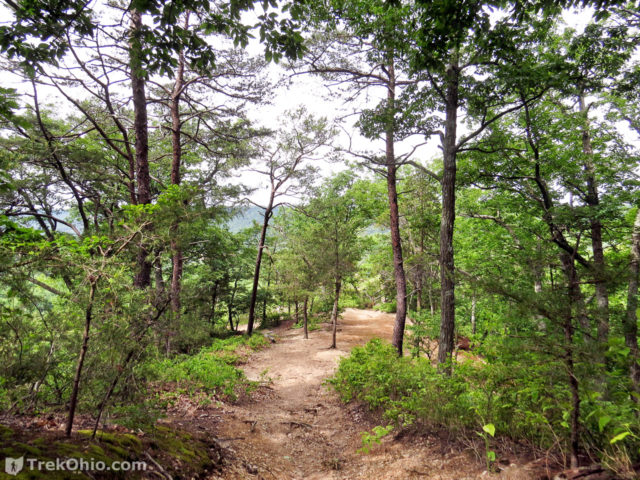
(294, 427)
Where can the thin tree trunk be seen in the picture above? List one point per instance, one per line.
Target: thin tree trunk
(73, 401)
(109, 392)
(297, 311)
(419, 282)
(176, 161)
(334, 312)
(593, 200)
(447, 307)
(264, 302)
(473, 314)
(256, 274)
(573, 295)
(214, 301)
(432, 307)
(140, 125)
(394, 217)
(157, 270)
(305, 318)
(631, 317)
(230, 304)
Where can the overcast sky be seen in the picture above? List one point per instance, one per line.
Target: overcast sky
(311, 92)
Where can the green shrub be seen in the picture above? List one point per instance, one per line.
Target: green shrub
(528, 400)
(390, 307)
(213, 369)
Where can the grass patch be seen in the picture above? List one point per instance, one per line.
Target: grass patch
(214, 368)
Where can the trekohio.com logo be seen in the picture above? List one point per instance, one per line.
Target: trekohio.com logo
(13, 466)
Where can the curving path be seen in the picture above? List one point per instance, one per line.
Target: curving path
(295, 428)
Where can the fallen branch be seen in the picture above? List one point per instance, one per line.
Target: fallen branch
(158, 466)
(298, 424)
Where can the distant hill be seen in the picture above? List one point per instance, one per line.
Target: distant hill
(245, 218)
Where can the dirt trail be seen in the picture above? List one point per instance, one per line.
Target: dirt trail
(295, 428)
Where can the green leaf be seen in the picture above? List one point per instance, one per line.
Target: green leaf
(603, 422)
(490, 428)
(619, 437)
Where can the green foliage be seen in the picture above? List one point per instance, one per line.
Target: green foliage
(492, 399)
(374, 438)
(213, 369)
(423, 329)
(141, 415)
(389, 307)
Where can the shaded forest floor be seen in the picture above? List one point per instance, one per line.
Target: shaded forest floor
(293, 427)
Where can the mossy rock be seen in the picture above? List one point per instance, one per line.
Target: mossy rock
(183, 447)
(183, 454)
(66, 449)
(125, 445)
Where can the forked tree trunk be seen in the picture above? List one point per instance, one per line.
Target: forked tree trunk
(334, 312)
(142, 278)
(73, 401)
(305, 318)
(176, 161)
(593, 200)
(631, 317)
(394, 217)
(447, 307)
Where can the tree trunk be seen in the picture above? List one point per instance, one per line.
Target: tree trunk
(473, 314)
(574, 295)
(297, 310)
(394, 217)
(447, 307)
(230, 304)
(305, 318)
(631, 317)
(110, 391)
(432, 307)
(140, 125)
(214, 301)
(334, 312)
(176, 160)
(256, 273)
(264, 302)
(593, 200)
(73, 401)
(157, 270)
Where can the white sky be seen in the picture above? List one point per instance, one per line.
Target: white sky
(313, 94)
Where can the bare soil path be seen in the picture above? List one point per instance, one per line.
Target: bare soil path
(296, 428)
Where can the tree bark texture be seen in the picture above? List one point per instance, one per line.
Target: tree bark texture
(447, 282)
